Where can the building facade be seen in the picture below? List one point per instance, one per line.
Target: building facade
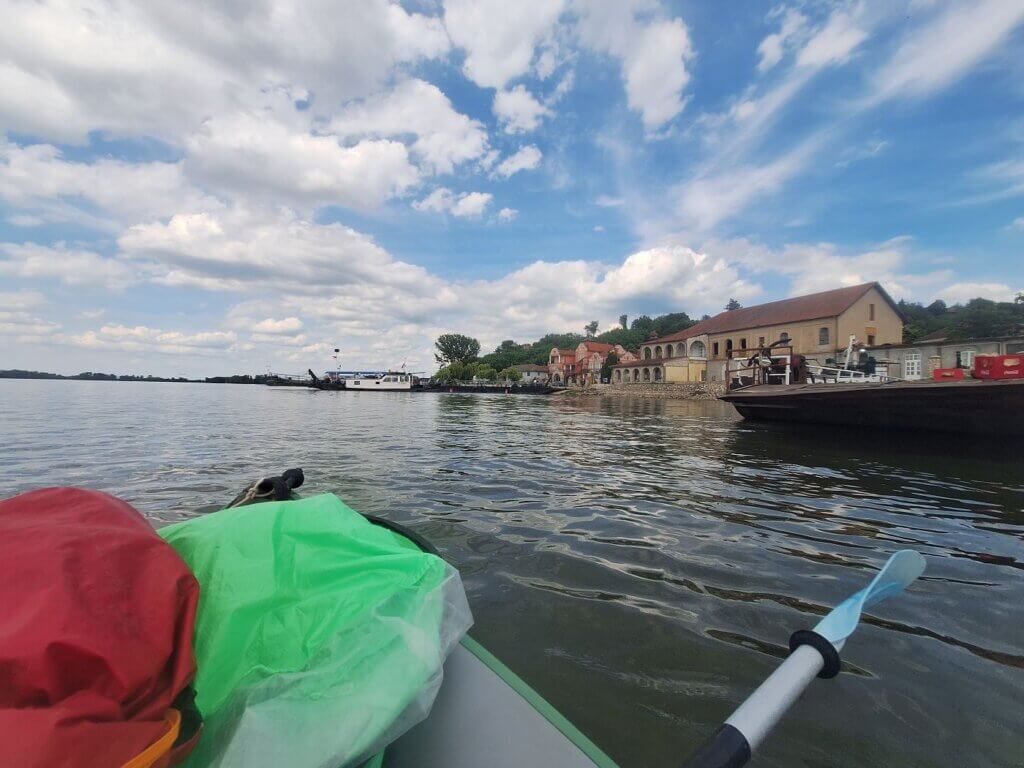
(818, 326)
(919, 359)
(583, 364)
(533, 374)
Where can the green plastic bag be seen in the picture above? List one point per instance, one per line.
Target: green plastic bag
(320, 637)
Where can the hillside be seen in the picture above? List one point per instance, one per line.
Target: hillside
(510, 352)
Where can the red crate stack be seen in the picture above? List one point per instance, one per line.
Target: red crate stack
(998, 367)
(948, 374)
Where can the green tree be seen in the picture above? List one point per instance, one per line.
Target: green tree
(1019, 298)
(624, 322)
(456, 348)
(606, 367)
(733, 304)
(510, 374)
(591, 329)
(644, 324)
(483, 371)
(454, 372)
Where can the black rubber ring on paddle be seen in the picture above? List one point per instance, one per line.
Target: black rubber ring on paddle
(821, 645)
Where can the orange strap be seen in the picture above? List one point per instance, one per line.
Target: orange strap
(151, 755)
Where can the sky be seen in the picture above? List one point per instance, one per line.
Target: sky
(203, 188)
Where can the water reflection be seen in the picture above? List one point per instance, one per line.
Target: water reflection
(641, 561)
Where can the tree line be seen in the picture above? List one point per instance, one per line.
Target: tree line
(977, 319)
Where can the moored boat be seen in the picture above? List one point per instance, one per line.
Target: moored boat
(771, 388)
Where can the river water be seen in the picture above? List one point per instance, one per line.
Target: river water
(640, 562)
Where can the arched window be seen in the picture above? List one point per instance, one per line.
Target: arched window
(647, 374)
(697, 349)
(618, 376)
(657, 374)
(728, 346)
(657, 351)
(743, 343)
(784, 337)
(647, 353)
(636, 374)
(823, 337)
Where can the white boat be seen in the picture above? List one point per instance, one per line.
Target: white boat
(389, 381)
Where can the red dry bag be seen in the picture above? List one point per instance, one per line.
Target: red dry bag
(96, 622)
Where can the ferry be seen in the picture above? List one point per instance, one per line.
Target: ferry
(380, 382)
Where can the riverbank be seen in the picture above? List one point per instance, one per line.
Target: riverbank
(703, 390)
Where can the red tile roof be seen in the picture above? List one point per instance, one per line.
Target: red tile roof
(598, 346)
(795, 310)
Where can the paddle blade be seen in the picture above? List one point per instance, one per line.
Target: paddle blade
(901, 569)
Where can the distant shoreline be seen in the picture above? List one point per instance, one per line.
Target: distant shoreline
(90, 376)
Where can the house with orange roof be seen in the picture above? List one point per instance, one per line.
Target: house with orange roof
(818, 326)
(583, 364)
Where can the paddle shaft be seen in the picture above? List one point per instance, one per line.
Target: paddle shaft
(745, 729)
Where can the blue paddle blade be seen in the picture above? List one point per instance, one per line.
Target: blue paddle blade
(901, 569)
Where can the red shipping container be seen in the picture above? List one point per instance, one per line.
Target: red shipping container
(998, 367)
(948, 374)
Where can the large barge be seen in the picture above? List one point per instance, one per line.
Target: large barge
(775, 385)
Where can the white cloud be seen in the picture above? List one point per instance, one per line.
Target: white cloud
(518, 111)
(105, 194)
(706, 201)
(654, 53)
(958, 37)
(159, 68)
(472, 204)
(834, 42)
(141, 338)
(526, 159)
(288, 326)
(599, 228)
(508, 214)
(773, 47)
(247, 250)
(961, 293)
(444, 137)
(607, 201)
(466, 205)
(499, 37)
(439, 201)
(71, 266)
(255, 154)
(1018, 224)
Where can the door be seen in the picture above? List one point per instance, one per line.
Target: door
(912, 366)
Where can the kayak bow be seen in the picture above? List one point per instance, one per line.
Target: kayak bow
(814, 653)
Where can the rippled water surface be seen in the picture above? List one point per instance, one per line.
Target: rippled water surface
(640, 562)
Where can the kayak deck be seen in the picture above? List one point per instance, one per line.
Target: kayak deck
(485, 714)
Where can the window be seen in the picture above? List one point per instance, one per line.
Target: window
(657, 374)
(647, 374)
(743, 343)
(647, 353)
(871, 339)
(657, 351)
(728, 346)
(714, 348)
(784, 337)
(697, 349)
(967, 358)
(871, 311)
(760, 341)
(668, 350)
(912, 366)
(823, 337)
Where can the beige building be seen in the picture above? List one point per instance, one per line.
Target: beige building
(817, 326)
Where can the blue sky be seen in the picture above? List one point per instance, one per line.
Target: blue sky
(236, 187)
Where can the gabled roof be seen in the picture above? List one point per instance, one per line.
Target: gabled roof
(598, 346)
(798, 309)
